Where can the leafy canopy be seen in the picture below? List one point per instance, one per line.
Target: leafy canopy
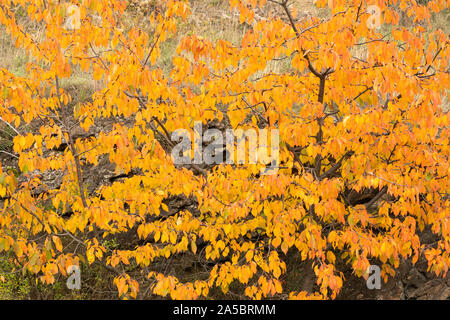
(358, 109)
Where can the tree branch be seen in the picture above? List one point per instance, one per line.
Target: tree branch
(334, 168)
(74, 151)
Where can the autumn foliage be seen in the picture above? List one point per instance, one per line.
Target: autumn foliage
(364, 146)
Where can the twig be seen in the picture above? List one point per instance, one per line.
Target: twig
(9, 125)
(9, 154)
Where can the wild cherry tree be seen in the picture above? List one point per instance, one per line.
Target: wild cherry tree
(358, 101)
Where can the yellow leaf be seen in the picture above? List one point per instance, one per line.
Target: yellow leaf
(57, 242)
(331, 257)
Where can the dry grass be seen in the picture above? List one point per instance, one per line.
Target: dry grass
(11, 58)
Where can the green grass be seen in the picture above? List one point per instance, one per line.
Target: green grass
(14, 286)
(7, 135)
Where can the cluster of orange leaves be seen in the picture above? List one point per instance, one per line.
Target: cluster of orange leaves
(379, 121)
